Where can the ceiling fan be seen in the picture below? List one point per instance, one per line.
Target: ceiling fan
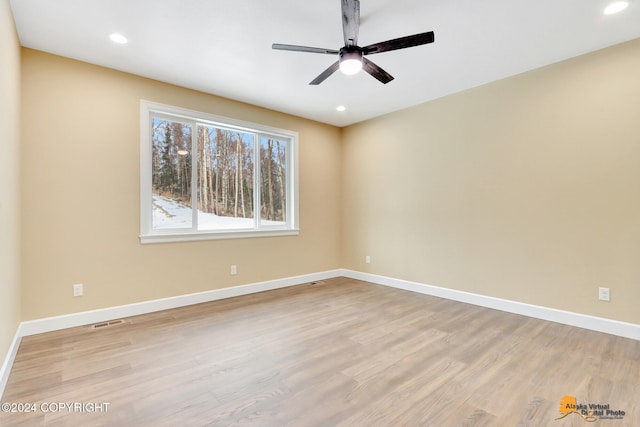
(351, 56)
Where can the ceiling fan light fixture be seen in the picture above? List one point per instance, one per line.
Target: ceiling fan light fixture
(350, 61)
(351, 66)
(615, 7)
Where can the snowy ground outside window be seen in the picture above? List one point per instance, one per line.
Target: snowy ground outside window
(169, 213)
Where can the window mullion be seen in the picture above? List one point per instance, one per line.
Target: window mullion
(257, 185)
(194, 175)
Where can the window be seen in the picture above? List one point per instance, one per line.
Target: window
(208, 177)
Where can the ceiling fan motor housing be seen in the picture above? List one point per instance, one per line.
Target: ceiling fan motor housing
(351, 52)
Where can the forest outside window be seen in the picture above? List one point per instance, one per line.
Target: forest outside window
(208, 177)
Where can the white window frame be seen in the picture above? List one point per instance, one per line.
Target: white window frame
(149, 109)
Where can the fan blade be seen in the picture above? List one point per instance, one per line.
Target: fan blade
(295, 48)
(376, 71)
(350, 21)
(326, 73)
(400, 43)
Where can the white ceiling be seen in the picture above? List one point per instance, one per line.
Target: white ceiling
(224, 47)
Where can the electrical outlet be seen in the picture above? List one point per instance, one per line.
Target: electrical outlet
(604, 294)
(234, 270)
(78, 290)
(367, 259)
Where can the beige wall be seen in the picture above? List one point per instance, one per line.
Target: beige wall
(80, 193)
(9, 179)
(526, 189)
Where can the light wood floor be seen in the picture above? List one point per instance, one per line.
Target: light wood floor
(338, 353)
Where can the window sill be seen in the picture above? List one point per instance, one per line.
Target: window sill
(218, 235)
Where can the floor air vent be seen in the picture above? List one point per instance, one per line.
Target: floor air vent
(103, 325)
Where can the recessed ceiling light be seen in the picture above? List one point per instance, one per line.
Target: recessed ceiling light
(615, 7)
(341, 108)
(118, 38)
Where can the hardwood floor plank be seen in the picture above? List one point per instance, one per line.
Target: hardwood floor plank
(339, 353)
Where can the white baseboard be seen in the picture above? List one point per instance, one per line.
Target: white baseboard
(31, 327)
(599, 324)
(8, 361)
(49, 324)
